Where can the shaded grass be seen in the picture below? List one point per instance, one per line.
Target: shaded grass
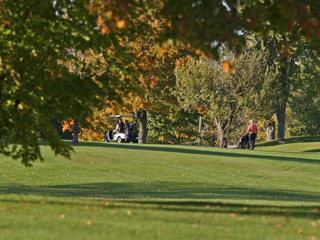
(293, 144)
(297, 139)
(127, 191)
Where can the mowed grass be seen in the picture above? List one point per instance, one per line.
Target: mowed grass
(130, 191)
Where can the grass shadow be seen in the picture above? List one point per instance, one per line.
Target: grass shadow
(197, 151)
(298, 139)
(179, 197)
(161, 190)
(313, 151)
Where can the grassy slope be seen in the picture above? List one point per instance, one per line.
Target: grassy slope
(126, 191)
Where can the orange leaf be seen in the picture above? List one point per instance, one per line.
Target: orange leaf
(233, 214)
(99, 20)
(154, 83)
(104, 30)
(5, 22)
(227, 67)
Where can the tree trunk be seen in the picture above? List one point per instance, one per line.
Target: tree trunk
(271, 131)
(143, 130)
(75, 138)
(200, 128)
(221, 138)
(281, 118)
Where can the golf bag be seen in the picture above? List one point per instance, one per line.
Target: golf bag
(244, 141)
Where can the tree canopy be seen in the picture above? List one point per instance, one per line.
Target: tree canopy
(42, 78)
(226, 97)
(38, 40)
(208, 24)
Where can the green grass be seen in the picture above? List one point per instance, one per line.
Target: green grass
(130, 191)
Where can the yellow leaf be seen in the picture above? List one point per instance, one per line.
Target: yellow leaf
(89, 222)
(121, 24)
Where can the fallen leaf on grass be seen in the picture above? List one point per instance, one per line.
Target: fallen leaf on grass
(89, 222)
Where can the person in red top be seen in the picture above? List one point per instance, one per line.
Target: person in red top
(253, 131)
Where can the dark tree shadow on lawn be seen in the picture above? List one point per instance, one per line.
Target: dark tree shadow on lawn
(195, 150)
(313, 150)
(179, 197)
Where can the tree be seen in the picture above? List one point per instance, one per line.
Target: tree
(35, 85)
(220, 22)
(152, 81)
(213, 23)
(304, 105)
(226, 96)
(291, 77)
(35, 37)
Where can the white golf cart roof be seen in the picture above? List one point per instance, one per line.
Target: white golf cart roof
(119, 116)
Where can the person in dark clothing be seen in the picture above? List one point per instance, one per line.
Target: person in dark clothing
(120, 126)
(127, 128)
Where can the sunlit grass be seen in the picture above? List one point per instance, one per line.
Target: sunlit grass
(129, 191)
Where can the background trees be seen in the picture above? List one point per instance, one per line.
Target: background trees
(227, 97)
(149, 90)
(293, 71)
(304, 106)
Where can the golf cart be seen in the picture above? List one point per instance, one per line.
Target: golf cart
(125, 133)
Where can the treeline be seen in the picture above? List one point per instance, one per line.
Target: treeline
(79, 61)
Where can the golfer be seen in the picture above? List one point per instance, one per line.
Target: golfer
(253, 131)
